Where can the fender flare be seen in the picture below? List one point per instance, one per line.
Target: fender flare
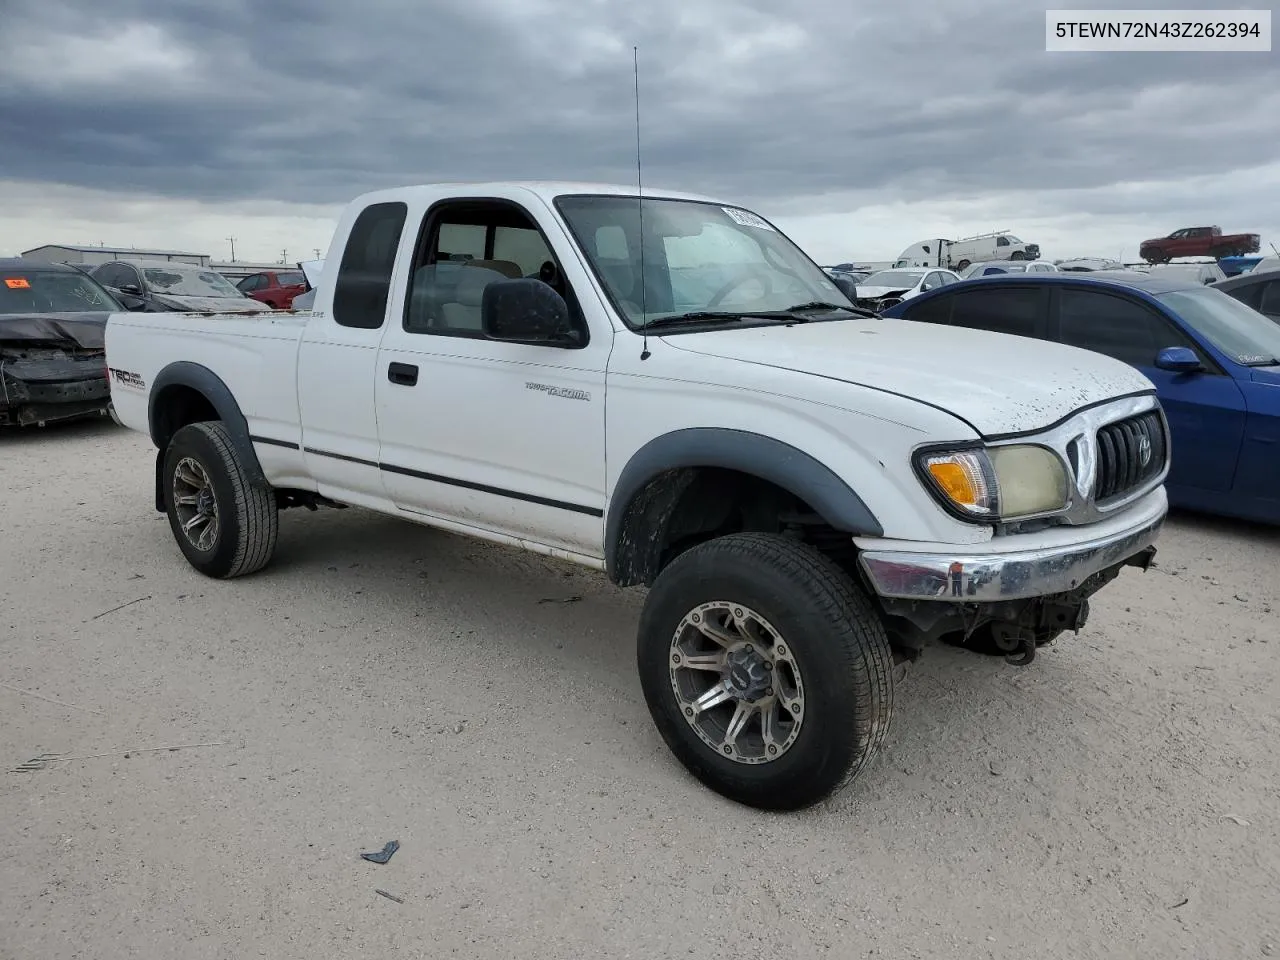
(779, 463)
(200, 378)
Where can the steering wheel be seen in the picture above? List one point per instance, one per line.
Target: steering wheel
(747, 274)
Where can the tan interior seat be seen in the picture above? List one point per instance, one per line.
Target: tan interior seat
(462, 312)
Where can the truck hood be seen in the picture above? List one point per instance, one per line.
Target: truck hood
(996, 382)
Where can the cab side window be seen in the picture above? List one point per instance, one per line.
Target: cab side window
(465, 246)
(1116, 326)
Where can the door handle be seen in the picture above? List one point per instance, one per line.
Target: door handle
(405, 374)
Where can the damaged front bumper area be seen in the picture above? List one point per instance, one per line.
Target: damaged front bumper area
(1021, 593)
(42, 384)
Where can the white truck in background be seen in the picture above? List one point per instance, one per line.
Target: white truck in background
(810, 494)
(958, 254)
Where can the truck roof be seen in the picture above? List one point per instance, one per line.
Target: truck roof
(547, 190)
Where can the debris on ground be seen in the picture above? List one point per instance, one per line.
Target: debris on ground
(98, 616)
(1238, 821)
(42, 761)
(41, 696)
(559, 599)
(383, 855)
(389, 896)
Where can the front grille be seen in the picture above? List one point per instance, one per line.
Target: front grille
(1131, 452)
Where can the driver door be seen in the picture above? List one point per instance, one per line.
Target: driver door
(502, 437)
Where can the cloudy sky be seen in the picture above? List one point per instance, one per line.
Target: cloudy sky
(859, 128)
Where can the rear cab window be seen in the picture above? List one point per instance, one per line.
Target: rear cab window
(363, 285)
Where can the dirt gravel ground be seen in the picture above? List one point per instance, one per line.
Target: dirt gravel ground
(382, 681)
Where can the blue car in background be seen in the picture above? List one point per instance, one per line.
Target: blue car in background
(1215, 363)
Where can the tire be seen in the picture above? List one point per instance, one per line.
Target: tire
(245, 519)
(1017, 255)
(837, 668)
(963, 264)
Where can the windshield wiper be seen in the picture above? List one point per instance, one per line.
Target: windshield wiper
(789, 315)
(820, 305)
(701, 316)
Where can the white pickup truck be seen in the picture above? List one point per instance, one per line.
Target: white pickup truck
(669, 391)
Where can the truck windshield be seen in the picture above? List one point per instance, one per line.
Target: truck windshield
(1238, 330)
(47, 291)
(190, 282)
(698, 258)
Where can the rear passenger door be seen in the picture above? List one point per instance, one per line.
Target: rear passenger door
(1206, 411)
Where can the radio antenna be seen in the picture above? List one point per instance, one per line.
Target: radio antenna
(644, 309)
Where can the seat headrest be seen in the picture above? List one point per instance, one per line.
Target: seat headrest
(471, 284)
(507, 268)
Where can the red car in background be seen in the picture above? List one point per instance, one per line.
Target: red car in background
(275, 288)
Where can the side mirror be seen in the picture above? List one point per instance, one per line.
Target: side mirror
(526, 311)
(132, 289)
(1179, 360)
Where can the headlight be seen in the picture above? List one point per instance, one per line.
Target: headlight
(997, 483)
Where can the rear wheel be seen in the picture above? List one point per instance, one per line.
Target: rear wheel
(766, 670)
(225, 526)
(962, 264)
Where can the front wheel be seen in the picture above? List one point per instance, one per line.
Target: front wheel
(224, 524)
(1017, 255)
(962, 265)
(766, 670)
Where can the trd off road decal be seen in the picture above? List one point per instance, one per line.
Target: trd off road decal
(126, 378)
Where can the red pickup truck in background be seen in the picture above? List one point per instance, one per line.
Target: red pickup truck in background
(1199, 242)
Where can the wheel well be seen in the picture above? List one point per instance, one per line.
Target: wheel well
(681, 508)
(176, 406)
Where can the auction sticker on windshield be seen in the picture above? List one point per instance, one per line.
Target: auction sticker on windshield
(746, 218)
(17, 283)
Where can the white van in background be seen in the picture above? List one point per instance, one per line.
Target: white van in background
(958, 254)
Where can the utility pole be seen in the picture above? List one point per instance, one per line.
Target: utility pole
(233, 248)
(284, 255)
(317, 250)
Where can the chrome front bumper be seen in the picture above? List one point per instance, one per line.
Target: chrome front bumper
(994, 577)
